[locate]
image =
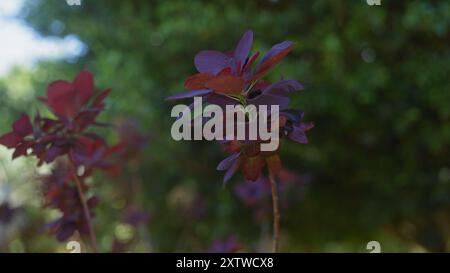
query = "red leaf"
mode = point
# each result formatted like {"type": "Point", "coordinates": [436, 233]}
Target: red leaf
{"type": "Point", "coordinates": [239, 68]}
{"type": "Point", "coordinates": [21, 149]}
{"type": "Point", "coordinates": [225, 71]}
{"type": "Point", "coordinates": [99, 100]}
{"type": "Point", "coordinates": [252, 167]}
{"type": "Point", "coordinates": [23, 126]}
{"type": "Point", "coordinates": [226, 84]}
{"type": "Point", "coordinates": [197, 81]}
{"type": "Point", "coordinates": [84, 119]}
{"type": "Point", "coordinates": [10, 140]}
{"type": "Point", "coordinates": [48, 124]}
{"type": "Point", "coordinates": [61, 98]}
{"type": "Point", "coordinates": [251, 61]}
{"type": "Point", "coordinates": [84, 84]}
{"type": "Point", "coordinates": [276, 54]}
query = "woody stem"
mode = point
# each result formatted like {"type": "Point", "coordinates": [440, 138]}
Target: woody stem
{"type": "Point", "coordinates": [276, 214]}
{"type": "Point", "coordinates": [86, 212]}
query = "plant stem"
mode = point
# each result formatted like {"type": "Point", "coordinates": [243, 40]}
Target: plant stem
{"type": "Point", "coordinates": [86, 213]}
{"type": "Point", "coordinates": [276, 214]}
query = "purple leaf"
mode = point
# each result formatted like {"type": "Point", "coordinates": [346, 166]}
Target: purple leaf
{"type": "Point", "coordinates": [10, 140]}
{"type": "Point", "coordinates": [276, 49]}
{"type": "Point", "coordinates": [284, 86]}
{"type": "Point", "coordinates": [227, 162]}
{"type": "Point", "coordinates": [298, 135]}
{"type": "Point", "coordinates": [243, 48]}
{"type": "Point", "coordinates": [275, 54]}
{"type": "Point", "coordinates": [22, 126]}
{"type": "Point", "coordinates": [269, 99]}
{"type": "Point", "coordinates": [84, 84]}
{"type": "Point", "coordinates": [231, 171]}
{"type": "Point", "coordinates": [211, 61]}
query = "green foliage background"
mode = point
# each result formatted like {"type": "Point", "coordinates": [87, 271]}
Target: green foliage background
{"type": "Point", "coordinates": [377, 90]}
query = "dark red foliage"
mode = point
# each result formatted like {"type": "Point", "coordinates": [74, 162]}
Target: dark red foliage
{"type": "Point", "coordinates": [231, 78]}
{"type": "Point", "coordinates": [65, 99]}
{"type": "Point", "coordinates": [226, 84]}
{"type": "Point", "coordinates": [20, 137]}
{"type": "Point", "coordinates": [247, 156]}
{"type": "Point", "coordinates": [233, 73]}
{"type": "Point", "coordinates": [91, 152]}
{"type": "Point", "coordinates": [61, 193]}
{"type": "Point", "coordinates": [75, 106]}
{"type": "Point", "coordinates": [197, 81]}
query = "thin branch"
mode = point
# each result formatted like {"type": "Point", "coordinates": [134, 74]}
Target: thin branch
{"type": "Point", "coordinates": [86, 212]}
{"type": "Point", "coordinates": [276, 214]}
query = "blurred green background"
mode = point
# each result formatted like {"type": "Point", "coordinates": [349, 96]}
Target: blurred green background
{"type": "Point", "coordinates": [378, 163]}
